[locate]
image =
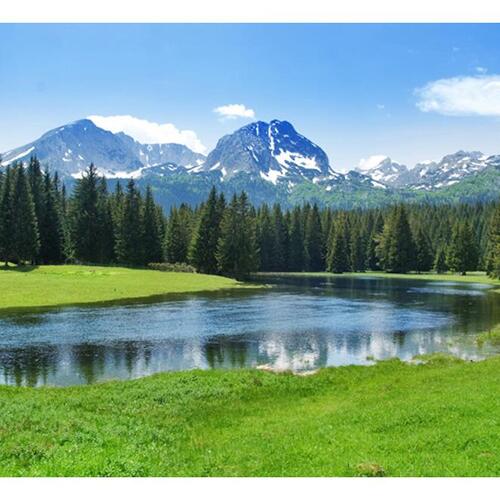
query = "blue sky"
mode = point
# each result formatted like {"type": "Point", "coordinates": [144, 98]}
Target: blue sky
{"type": "Point", "coordinates": [413, 92]}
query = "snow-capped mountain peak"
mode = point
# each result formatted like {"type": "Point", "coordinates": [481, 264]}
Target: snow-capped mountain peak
{"type": "Point", "coordinates": [69, 149]}
{"type": "Point", "coordinates": [450, 170]}
{"type": "Point", "coordinates": [426, 175]}
{"type": "Point", "coordinates": [382, 169]}
{"type": "Point", "coordinates": [273, 151]}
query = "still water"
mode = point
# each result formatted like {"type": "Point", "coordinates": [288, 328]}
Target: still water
{"type": "Point", "coordinates": [299, 324]}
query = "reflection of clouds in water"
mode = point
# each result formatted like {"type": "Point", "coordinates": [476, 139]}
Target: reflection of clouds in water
{"type": "Point", "coordinates": [276, 353]}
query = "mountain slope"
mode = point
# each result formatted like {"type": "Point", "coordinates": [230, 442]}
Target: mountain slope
{"type": "Point", "coordinates": [273, 151]}
{"type": "Point", "coordinates": [429, 175]}
{"type": "Point", "coordinates": [382, 169]}
{"type": "Point", "coordinates": [271, 161]}
{"type": "Point", "coordinates": [71, 148]}
{"type": "Point", "coordinates": [450, 170]}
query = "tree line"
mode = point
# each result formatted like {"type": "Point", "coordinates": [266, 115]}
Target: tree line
{"type": "Point", "coordinates": [41, 224]}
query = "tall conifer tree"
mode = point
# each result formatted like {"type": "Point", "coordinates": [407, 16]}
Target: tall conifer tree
{"type": "Point", "coordinates": [314, 241]}
{"type": "Point", "coordinates": [25, 242]}
{"type": "Point", "coordinates": [152, 238]}
{"type": "Point", "coordinates": [237, 249]}
{"type": "Point", "coordinates": [296, 241]}
{"type": "Point", "coordinates": [129, 243]}
{"type": "Point", "coordinates": [396, 245]}
{"type": "Point", "coordinates": [6, 215]}
{"type": "Point", "coordinates": [462, 250]}
{"type": "Point", "coordinates": [84, 217]}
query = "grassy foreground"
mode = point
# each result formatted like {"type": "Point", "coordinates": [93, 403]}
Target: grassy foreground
{"type": "Point", "coordinates": [395, 419]}
{"type": "Point", "coordinates": [64, 285]}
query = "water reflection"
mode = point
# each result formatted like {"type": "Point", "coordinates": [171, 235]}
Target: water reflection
{"type": "Point", "coordinates": [301, 324]}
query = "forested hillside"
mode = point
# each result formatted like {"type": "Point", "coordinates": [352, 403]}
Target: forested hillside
{"type": "Point", "coordinates": [41, 224]}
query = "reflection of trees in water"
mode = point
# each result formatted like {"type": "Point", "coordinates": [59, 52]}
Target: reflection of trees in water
{"type": "Point", "coordinates": [228, 352]}
{"type": "Point", "coordinates": [386, 318]}
{"type": "Point", "coordinates": [94, 360]}
{"type": "Point", "coordinates": [90, 360]}
{"type": "Point", "coordinates": [28, 365]}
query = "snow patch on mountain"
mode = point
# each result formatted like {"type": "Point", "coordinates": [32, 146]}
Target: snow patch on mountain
{"type": "Point", "coordinates": [382, 170]}
{"type": "Point", "coordinates": [274, 152]}
{"type": "Point", "coordinates": [426, 175]}
{"type": "Point", "coordinates": [71, 148]}
{"type": "Point", "coordinates": [19, 156]}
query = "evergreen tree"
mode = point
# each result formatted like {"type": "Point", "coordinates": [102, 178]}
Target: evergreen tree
{"type": "Point", "coordinates": [176, 242]}
{"type": "Point", "coordinates": [84, 217]}
{"type": "Point", "coordinates": [129, 244]}
{"type": "Point", "coordinates": [296, 242]}
{"type": "Point", "coordinates": [493, 245]}
{"type": "Point", "coordinates": [440, 260]}
{"type": "Point", "coordinates": [36, 183]}
{"type": "Point", "coordinates": [204, 247]}
{"type": "Point", "coordinates": [338, 256]}
{"type": "Point", "coordinates": [50, 224]}
{"type": "Point", "coordinates": [462, 251]}
{"type": "Point", "coordinates": [396, 244]}
{"type": "Point", "coordinates": [422, 255]}
{"type": "Point", "coordinates": [105, 241]}
{"type": "Point", "coordinates": [357, 249]}
{"type": "Point", "coordinates": [6, 229]}
{"type": "Point", "coordinates": [377, 226]}
{"type": "Point", "coordinates": [266, 239]}
{"type": "Point", "coordinates": [25, 242]}
{"type": "Point", "coordinates": [237, 249]}
{"type": "Point", "coordinates": [280, 240]}
{"type": "Point", "coordinates": [153, 251]}
{"type": "Point", "coordinates": [314, 241]}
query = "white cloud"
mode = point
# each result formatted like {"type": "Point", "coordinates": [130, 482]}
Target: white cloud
{"type": "Point", "coordinates": [380, 106]}
{"type": "Point", "coordinates": [232, 111]}
{"type": "Point", "coordinates": [462, 95]}
{"type": "Point", "coordinates": [148, 132]}
{"type": "Point", "coordinates": [481, 69]}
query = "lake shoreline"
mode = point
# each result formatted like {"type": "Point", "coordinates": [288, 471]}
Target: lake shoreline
{"type": "Point", "coordinates": [475, 277]}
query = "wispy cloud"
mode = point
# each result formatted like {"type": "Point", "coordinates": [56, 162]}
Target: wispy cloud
{"type": "Point", "coordinates": [481, 69]}
{"type": "Point", "coordinates": [462, 95]}
{"type": "Point", "coordinates": [232, 111]}
{"type": "Point", "coordinates": [148, 132]}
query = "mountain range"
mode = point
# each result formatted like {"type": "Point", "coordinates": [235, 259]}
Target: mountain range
{"type": "Point", "coordinates": [271, 161]}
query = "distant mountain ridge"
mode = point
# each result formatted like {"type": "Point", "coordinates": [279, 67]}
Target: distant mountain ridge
{"type": "Point", "coordinates": [71, 148]}
{"type": "Point", "coordinates": [429, 175]}
{"type": "Point", "coordinates": [272, 161]}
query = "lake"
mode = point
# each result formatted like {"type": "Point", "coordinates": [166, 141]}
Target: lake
{"type": "Point", "coordinates": [298, 324]}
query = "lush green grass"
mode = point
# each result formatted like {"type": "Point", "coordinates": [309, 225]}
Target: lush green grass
{"type": "Point", "coordinates": [64, 285]}
{"type": "Point", "coordinates": [471, 277]}
{"type": "Point", "coordinates": [438, 418]}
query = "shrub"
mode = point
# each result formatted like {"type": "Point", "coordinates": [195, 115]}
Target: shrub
{"type": "Point", "coordinates": [177, 267]}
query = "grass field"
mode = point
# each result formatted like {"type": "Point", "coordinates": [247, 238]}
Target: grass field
{"type": "Point", "coordinates": [471, 277]}
{"type": "Point", "coordinates": [67, 285]}
{"type": "Point", "coordinates": [392, 419]}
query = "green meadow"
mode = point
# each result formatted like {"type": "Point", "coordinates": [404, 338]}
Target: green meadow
{"type": "Point", "coordinates": [436, 418]}
{"type": "Point", "coordinates": [45, 286]}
